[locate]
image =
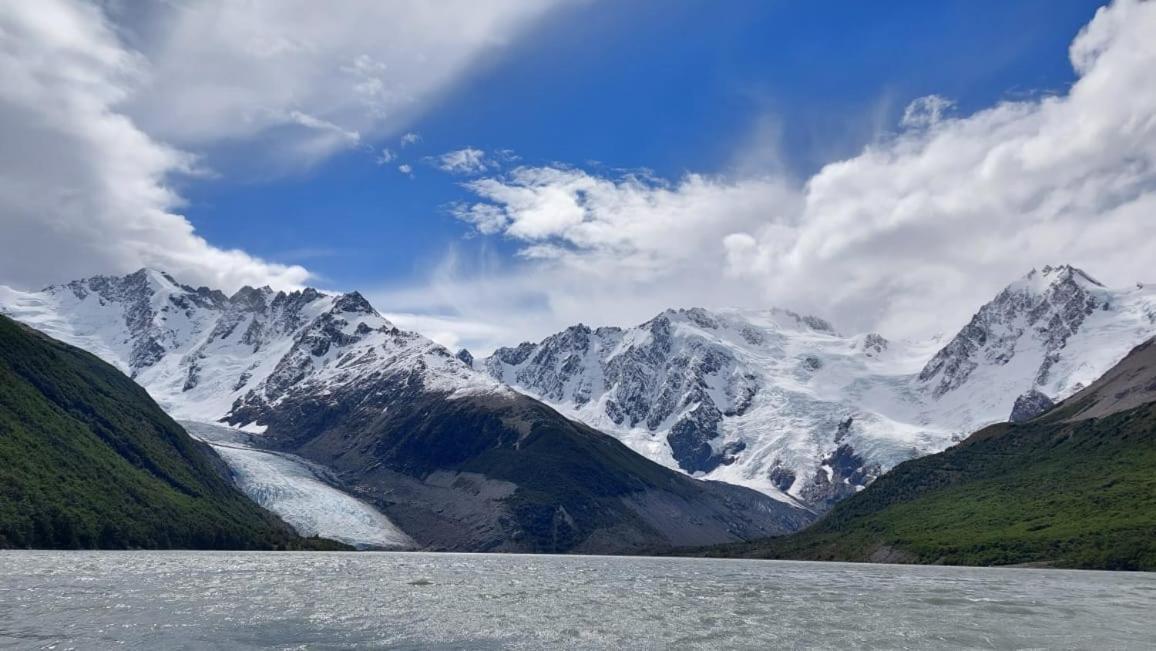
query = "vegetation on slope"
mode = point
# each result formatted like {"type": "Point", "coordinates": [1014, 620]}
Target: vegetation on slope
{"type": "Point", "coordinates": [1069, 494]}
{"type": "Point", "coordinates": [88, 460]}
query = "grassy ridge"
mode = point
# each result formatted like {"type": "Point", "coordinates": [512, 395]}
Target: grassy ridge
{"type": "Point", "coordinates": [1080, 495]}
{"type": "Point", "coordinates": [88, 460]}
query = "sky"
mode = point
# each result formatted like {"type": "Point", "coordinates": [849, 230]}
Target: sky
{"type": "Point", "coordinates": [491, 172]}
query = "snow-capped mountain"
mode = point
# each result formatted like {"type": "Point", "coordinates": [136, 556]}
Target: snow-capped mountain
{"type": "Point", "coordinates": [783, 403]}
{"type": "Point", "coordinates": [205, 356]}
{"type": "Point", "coordinates": [453, 458]}
{"type": "Point", "coordinates": [1050, 333]}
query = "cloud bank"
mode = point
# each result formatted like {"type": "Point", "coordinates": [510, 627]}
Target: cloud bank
{"type": "Point", "coordinates": [908, 237]}
{"type": "Point", "coordinates": [104, 104]}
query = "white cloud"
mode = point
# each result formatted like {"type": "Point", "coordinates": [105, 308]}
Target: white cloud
{"type": "Point", "coordinates": [101, 103]}
{"type": "Point", "coordinates": [405, 168]}
{"type": "Point", "coordinates": [907, 237]}
{"type": "Point", "coordinates": [926, 111]}
{"type": "Point", "coordinates": [634, 224]}
{"type": "Point", "coordinates": [82, 188]}
{"type": "Point", "coordinates": [409, 138]}
{"type": "Point", "coordinates": [386, 156]}
{"type": "Point", "coordinates": [222, 71]}
{"type": "Point", "coordinates": [945, 215]}
{"type": "Point", "coordinates": [464, 161]}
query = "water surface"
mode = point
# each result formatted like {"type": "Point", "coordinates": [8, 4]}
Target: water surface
{"type": "Point", "coordinates": [149, 600]}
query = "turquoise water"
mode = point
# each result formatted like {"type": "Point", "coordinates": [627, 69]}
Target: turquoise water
{"type": "Point", "coordinates": [151, 600]}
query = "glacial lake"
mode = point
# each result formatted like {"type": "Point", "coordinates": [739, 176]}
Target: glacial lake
{"type": "Point", "coordinates": [194, 600]}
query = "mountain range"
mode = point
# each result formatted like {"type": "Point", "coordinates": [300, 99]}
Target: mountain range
{"type": "Point", "coordinates": [448, 457]}
{"type": "Point", "coordinates": [697, 427]}
{"type": "Point", "coordinates": [1074, 486]}
{"type": "Point", "coordinates": [786, 404]}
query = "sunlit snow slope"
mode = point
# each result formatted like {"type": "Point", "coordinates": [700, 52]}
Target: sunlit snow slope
{"type": "Point", "coordinates": [784, 403]}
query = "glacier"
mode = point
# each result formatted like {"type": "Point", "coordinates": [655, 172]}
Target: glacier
{"type": "Point", "coordinates": [297, 491]}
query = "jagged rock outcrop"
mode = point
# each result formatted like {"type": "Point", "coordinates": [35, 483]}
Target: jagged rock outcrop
{"type": "Point", "coordinates": [1029, 405]}
{"type": "Point", "coordinates": [639, 379]}
{"type": "Point", "coordinates": [466, 357]}
{"type": "Point", "coordinates": [839, 476]}
{"type": "Point", "coordinates": [1047, 307]}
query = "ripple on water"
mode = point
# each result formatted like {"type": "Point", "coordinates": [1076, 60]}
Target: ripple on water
{"type": "Point", "coordinates": [146, 600]}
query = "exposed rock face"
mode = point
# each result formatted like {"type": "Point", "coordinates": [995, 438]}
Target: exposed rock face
{"type": "Point", "coordinates": [642, 378]}
{"type": "Point", "coordinates": [453, 457]}
{"type": "Point", "coordinates": [1029, 405]}
{"type": "Point", "coordinates": [840, 475]}
{"type": "Point", "coordinates": [782, 478]}
{"type": "Point", "coordinates": [466, 357]}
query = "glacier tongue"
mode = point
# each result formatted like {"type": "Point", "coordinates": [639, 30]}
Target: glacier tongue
{"type": "Point", "coordinates": [295, 490]}
{"type": "Point", "coordinates": [783, 403]}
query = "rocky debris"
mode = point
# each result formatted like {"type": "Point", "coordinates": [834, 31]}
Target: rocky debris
{"type": "Point", "coordinates": [1030, 404]}
{"type": "Point", "coordinates": [841, 474]}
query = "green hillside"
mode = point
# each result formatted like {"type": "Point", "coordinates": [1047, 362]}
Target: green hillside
{"type": "Point", "coordinates": [88, 460]}
{"type": "Point", "coordinates": [1054, 491]}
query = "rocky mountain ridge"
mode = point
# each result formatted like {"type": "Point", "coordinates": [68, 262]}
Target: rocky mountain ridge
{"type": "Point", "coordinates": [783, 403]}
{"type": "Point", "coordinates": [453, 457]}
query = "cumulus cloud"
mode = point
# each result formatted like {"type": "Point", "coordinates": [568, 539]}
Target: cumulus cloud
{"type": "Point", "coordinates": [908, 237]}
{"type": "Point", "coordinates": [101, 104]}
{"type": "Point", "coordinates": [604, 226]}
{"type": "Point", "coordinates": [463, 161]}
{"type": "Point", "coordinates": [409, 138]}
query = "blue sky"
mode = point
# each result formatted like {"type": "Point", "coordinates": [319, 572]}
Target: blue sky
{"type": "Point", "coordinates": [671, 87]}
{"type": "Point", "coordinates": [888, 166]}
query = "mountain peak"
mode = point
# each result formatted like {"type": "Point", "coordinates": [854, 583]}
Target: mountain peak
{"type": "Point", "coordinates": [353, 302]}
{"type": "Point", "coordinates": [1038, 281]}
